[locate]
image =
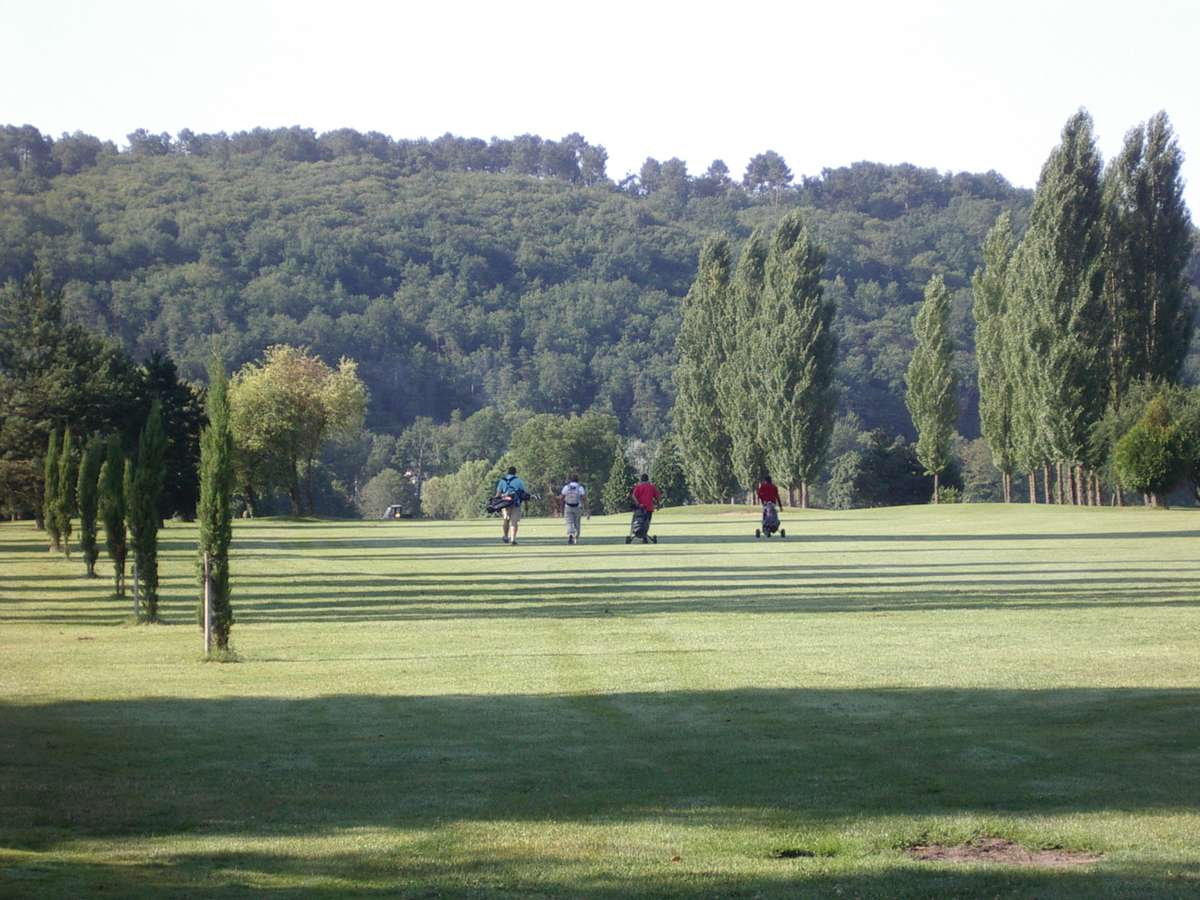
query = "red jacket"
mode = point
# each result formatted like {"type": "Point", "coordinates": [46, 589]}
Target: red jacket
{"type": "Point", "coordinates": [644, 494]}
{"type": "Point", "coordinates": [768, 491]}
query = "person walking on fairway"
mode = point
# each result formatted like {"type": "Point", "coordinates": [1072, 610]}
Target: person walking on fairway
{"type": "Point", "coordinates": [645, 495]}
{"type": "Point", "coordinates": [574, 496]}
{"type": "Point", "coordinates": [768, 496]}
{"type": "Point", "coordinates": [511, 486]}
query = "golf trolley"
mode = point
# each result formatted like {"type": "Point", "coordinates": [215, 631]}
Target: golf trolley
{"type": "Point", "coordinates": [770, 522]}
{"type": "Point", "coordinates": [639, 528]}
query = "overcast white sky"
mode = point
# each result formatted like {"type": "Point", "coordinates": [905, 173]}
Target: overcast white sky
{"type": "Point", "coordinates": [955, 86]}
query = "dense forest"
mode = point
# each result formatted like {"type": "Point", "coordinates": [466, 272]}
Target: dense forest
{"type": "Point", "coordinates": [462, 274]}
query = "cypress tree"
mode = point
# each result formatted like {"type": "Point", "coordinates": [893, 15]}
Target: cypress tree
{"type": "Point", "coordinates": [50, 490]}
{"type": "Point", "coordinates": [615, 495]}
{"type": "Point", "coordinates": [703, 441]}
{"type": "Point", "coordinates": [65, 506]}
{"type": "Point", "coordinates": [112, 509]}
{"type": "Point", "coordinates": [88, 496]}
{"type": "Point", "coordinates": [1146, 246]}
{"type": "Point", "coordinates": [214, 511]}
{"type": "Point", "coordinates": [1061, 280]}
{"type": "Point", "coordinates": [930, 394]}
{"type": "Point", "coordinates": [989, 287]}
{"type": "Point", "coordinates": [143, 484]}
{"type": "Point", "coordinates": [795, 351]}
{"type": "Point", "coordinates": [739, 379]}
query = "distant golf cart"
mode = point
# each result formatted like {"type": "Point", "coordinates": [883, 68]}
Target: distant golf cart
{"type": "Point", "coordinates": [395, 511]}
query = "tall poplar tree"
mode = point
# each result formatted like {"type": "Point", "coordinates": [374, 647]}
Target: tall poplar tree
{"type": "Point", "coordinates": [88, 496]}
{"type": "Point", "coordinates": [214, 509]}
{"type": "Point", "coordinates": [143, 483]}
{"type": "Point", "coordinates": [1147, 239]}
{"type": "Point", "coordinates": [50, 489]}
{"type": "Point", "coordinates": [739, 379]}
{"type": "Point", "coordinates": [703, 441]}
{"type": "Point", "coordinates": [795, 350]}
{"type": "Point", "coordinates": [112, 509]}
{"type": "Point", "coordinates": [615, 495]}
{"type": "Point", "coordinates": [989, 287]}
{"type": "Point", "coordinates": [1060, 280]}
{"type": "Point", "coordinates": [930, 394]}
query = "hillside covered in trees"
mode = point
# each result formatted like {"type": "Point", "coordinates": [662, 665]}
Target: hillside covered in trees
{"type": "Point", "coordinates": [462, 274]}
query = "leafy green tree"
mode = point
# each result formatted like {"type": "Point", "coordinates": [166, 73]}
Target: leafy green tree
{"type": "Point", "coordinates": [183, 416]}
{"type": "Point", "coordinates": [461, 495]}
{"type": "Point", "coordinates": [215, 511]}
{"type": "Point", "coordinates": [1061, 279]}
{"type": "Point", "coordinates": [667, 473]}
{"type": "Point", "coordinates": [767, 173]}
{"type": "Point", "coordinates": [615, 496]}
{"type": "Point", "coordinates": [703, 441]}
{"type": "Point", "coordinates": [51, 492]}
{"type": "Point", "coordinates": [88, 498]}
{"type": "Point", "coordinates": [387, 488]}
{"type": "Point", "coordinates": [113, 509]}
{"type": "Point", "coordinates": [794, 351]}
{"type": "Point", "coordinates": [143, 483]}
{"type": "Point", "coordinates": [739, 378]}
{"type": "Point", "coordinates": [931, 398]}
{"type": "Point", "coordinates": [548, 449]}
{"type": "Point", "coordinates": [990, 286]}
{"type": "Point", "coordinates": [1147, 242]}
{"type": "Point", "coordinates": [283, 410]}
{"type": "Point", "coordinates": [1151, 457]}
{"type": "Point", "coordinates": [66, 505]}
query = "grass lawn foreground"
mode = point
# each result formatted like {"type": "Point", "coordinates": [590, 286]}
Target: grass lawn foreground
{"type": "Point", "coordinates": [420, 710]}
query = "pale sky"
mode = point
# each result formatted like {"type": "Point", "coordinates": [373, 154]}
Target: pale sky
{"type": "Point", "coordinates": [954, 86]}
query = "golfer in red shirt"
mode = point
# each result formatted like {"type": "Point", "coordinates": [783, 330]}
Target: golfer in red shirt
{"type": "Point", "coordinates": [767, 492]}
{"type": "Point", "coordinates": [645, 495]}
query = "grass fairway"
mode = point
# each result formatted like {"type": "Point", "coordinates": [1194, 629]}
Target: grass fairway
{"type": "Point", "coordinates": [420, 710]}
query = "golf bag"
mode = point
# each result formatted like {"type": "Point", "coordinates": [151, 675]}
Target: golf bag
{"type": "Point", "coordinates": [770, 521]}
{"type": "Point", "coordinates": [639, 527]}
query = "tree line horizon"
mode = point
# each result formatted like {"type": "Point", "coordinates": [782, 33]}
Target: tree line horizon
{"type": "Point", "coordinates": [809, 415]}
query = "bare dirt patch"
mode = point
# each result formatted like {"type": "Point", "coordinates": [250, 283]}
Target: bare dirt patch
{"type": "Point", "coordinates": [1000, 850]}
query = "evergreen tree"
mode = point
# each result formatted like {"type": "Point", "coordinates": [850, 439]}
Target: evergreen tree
{"type": "Point", "coordinates": [990, 286]}
{"type": "Point", "coordinates": [703, 442]}
{"type": "Point", "coordinates": [615, 495]}
{"type": "Point", "coordinates": [1147, 241]}
{"type": "Point", "coordinates": [795, 350]}
{"type": "Point", "coordinates": [667, 473]}
{"type": "Point", "coordinates": [739, 378]}
{"type": "Point", "coordinates": [112, 509]}
{"type": "Point", "coordinates": [88, 497]}
{"type": "Point", "coordinates": [1060, 280]}
{"type": "Point", "coordinates": [930, 381]}
{"type": "Point", "coordinates": [214, 510]}
{"type": "Point", "coordinates": [50, 490]}
{"type": "Point", "coordinates": [142, 487]}
{"type": "Point", "coordinates": [65, 506]}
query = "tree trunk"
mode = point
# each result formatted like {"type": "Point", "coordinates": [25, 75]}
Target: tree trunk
{"type": "Point", "coordinates": [936, 479]}
{"type": "Point", "coordinates": [1046, 483]}
{"type": "Point", "coordinates": [804, 495]}
{"type": "Point", "coordinates": [1032, 482]}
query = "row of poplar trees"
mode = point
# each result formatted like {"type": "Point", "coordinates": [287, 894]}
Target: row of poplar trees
{"type": "Point", "coordinates": [106, 488]}
{"type": "Point", "coordinates": [755, 372]}
{"type": "Point", "coordinates": [1091, 300]}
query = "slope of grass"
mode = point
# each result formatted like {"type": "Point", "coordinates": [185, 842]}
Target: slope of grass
{"type": "Point", "coordinates": [419, 709]}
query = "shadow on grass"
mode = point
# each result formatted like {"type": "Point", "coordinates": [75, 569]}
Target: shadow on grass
{"type": "Point", "coordinates": [230, 765]}
{"type": "Point", "coordinates": [489, 873]}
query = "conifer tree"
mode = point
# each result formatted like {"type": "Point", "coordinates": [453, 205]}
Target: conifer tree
{"type": "Point", "coordinates": [88, 497]}
{"type": "Point", "coordinates": [739, 379]}
{"type": "Point", "coordinates": [930, 394]}
{"type": "Point", "coordinates": [615, 495]}
{"type": "Point", "coordinates": [112, 509]}
{"type": "Point", "coordinates": [143, 484]}
{"type": "Point", "coordinates": [795, 350]}
{"type": "Point", "coordinates": [703, 441]}
{"type": "Point", "coordinates": [1060, 282]}
{"type": "Point", "coordinates": [990, 286]}
{"type": "Point", "coordinates": [667, 474]}
{"type": "Point", "coordinates": [1147, 240]}
{"type": "Point", "coordinates": [50, 490]}
{"type": "Point", "coordinates": [65, 505]}
{"type": "Point", "coordinates": [214, 510]}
